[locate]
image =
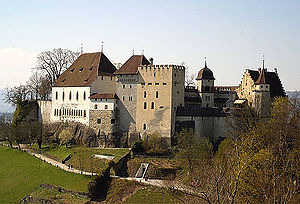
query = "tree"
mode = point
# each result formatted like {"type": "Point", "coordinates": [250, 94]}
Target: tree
{"type": "Point", "coordinates": [189, 77]}
{"type": "Point", "coordinates": [54, 62]}
{"type": "Point", "coordinates": [190, 151]}
{"type": "Point", "coordinates": [5, 124]}
{"type": "Point", "coordinates": [15, 94]}
{"type": "Point", "coordinates": [39, 86]}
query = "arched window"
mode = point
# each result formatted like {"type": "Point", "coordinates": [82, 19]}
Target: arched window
{"type": "Point", "coordinates": [77, 96]}
{"type": "Point", "coordinates": [63, 96]}
{"type": "Point", "coordinates": [56, 95]}
{"type": "Point", "coordinates": [96, 106]}
{"type": "Point", "coordinates": [70, 96]}
{"type": "Point", "coordinates": [156, 94]}
{"type": "Point", "coordinates": [84, 113]}
{"type": "Point", "coordinates": [152, 105]}
{"type": "Point", "coordinates": [144, 126]}
{"type": "Point", "coordinates": [145, 94]}
{"type": "Point", "coordinates": [59, 112]}
{"type": "Point", "coordinates": [145, 105]}
{"type": "Point", "coordinates": [84, 95]}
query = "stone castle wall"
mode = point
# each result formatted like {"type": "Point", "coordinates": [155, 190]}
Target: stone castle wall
{"type": "Point", "coordinates": [159, 91]}
{"type": "Point", "coordinates": [101, 121]}
{"type": "Point", "coordinates": [44, 111]}
{"type": "Point", "coordinates": [213, 128]}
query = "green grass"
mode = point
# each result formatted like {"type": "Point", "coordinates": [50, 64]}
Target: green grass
{"type": "Point", "coordinates": [56, 196]}
{"type": "Point", "coordinates": [21, 173]}
{"type": "Point", "coordinates": [82, 156]}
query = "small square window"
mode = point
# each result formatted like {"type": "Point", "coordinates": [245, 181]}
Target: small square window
{"type": "Point", "coordinates": [98, 121]}
{"type": "Point", "coordinates": [106, 106]}
{"type": "Point", "coordinates": [113, 121]}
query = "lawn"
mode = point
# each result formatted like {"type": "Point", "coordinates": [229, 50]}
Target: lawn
{"type": "Point", "coordinates": [21, 173]}
{"type": "Point", "coordinates": [82, 156]}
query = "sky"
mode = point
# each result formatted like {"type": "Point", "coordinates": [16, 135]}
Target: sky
{"type": "Point", "coordinates": [233, 35]}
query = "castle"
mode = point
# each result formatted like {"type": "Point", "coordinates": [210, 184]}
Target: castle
{"type": "Point", "coordinates": [140, 98]}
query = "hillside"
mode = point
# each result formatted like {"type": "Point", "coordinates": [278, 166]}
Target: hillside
{"type": "Point", "coordinates": [21, 173]}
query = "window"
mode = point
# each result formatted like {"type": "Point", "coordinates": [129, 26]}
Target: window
{"type": "Point", "coordinates": [63, 95]}
{"type": "Point", "coordinates": [175, 74]}
{"type": "Point", "coordinates": [84, 95]}
{"type": "Point", "coordinates": [149, 83]}
{"type": "Point", "coordinates": [84, 113]}
{"type": "Point", "coordinates": [77, 96]}
{"type": "Point", "coordinates": [59, 112]}
{"type": "Point", "coordinates": [56, 95]}
{"type": "Point", "coordinates": [144, 126]}
{"type": "Point", "coordinates": [76, 112]}
{"type": "Point", "coordinates": [106, 106]}
{"type": "Point", "coordinates": [70, 96]}
{"type": "Point", "coordinates": [130, 86]}
{"type": "Point", "coordinates": [152, 105]}
{"type": "Point", "coordinates": [145, 105]}
{"type": "Point", "coordinates": [156, 94]}
{"type": "Point", "coordinates": [261, 86]}
{"type": "Point", "coordinates": [145, 94]}
{"type": "Point", "coordinates": [164, 84]}
{"type": "Point", "coordinates": [54, 112]}
{"type": "Point", "coordinates": [123, 86]}
{"type": "Point", "coordinates": [111, 78]}
{"type": "Point", "coordinates": [156, 84]}
{"type": "Point", "coordinates": [266, 86]}
{"type": "Point", "coordinates": [206, 89]}
{"type": "Point", "coordinates": [98, 120]}
{"type": "Point", "coordinates": [130, 98]}
{"type": "Point", "coordinates": [113, 121]}
{"type": "Point", "coordinates": [96, 107]}
{"type": "Point", "coordinates": [154, 74]}
{"type": "Point", "coordinates": [101, 77]}
{"type": "Point", "coordinates": [123, 98]}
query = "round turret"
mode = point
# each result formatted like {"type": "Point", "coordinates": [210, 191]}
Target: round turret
{"type": "Point", "coordinates": [205, 73]}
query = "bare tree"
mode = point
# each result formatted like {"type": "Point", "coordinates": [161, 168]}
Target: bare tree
{"type": "Point", "coordinates": [5, 123]}
{"type": "Point", "coordinates": [189, 77]}
{"type": "Point", "coordinates": [12, 95]}
{"type": "Point", "coordinates": [54, 62]}
{"type": "Point", "coordinates": [39, 85]}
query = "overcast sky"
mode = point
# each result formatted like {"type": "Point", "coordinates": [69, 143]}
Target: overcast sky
{"type": "Point", "coordinates": [233, 35]}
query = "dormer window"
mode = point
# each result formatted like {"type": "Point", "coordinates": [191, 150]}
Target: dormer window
{"type": "Point", "coordinates": [63, 80]}
{"type": "Point", "coordinates": [86, 79]}
{"type": "Point", "coordinates": [91, 68]}
{"type": "Point", "coordinates": [81, 69]}
{"type": "Point", "coordinates": [72, 70]}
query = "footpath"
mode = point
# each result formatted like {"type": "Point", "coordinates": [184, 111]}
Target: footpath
{"type": "Point", "coordinates": [153, 182]}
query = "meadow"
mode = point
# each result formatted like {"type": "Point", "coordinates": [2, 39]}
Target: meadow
{"type": "Point", "coordinates": [21, 173]}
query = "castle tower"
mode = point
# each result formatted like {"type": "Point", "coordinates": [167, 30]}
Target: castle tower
{"type": "Point", "coordinates": [205, 86]}
{"type": "Point", "coordinates": [262, 100]}
{"type": "Point", "coordinates": [160, 92]}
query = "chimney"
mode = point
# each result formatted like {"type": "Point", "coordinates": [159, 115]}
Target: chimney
{"type": "Point", "coordinates": [151, 61]}
{"type": "Point", "coordinates": [259, 70]}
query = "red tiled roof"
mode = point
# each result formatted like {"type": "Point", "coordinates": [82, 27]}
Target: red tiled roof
{"type": "Point", "coordinates": [104, 96]}
{"type": "Point", "coordinates": [85, 69]}
{"type": "Point", "coordinates": [132, 64]}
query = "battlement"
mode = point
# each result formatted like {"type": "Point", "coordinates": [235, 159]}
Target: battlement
{"type": "Point", "coordinates": [161, 68]}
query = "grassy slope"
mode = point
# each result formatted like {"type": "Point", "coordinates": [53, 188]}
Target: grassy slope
{"type": "Point", "coordinates": [83, 156]}
{"type": "Point", "coordinates": [21, 173]}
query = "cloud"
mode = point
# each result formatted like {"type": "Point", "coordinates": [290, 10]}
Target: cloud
{"type": "Point", "coordinates": [15, 66]}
